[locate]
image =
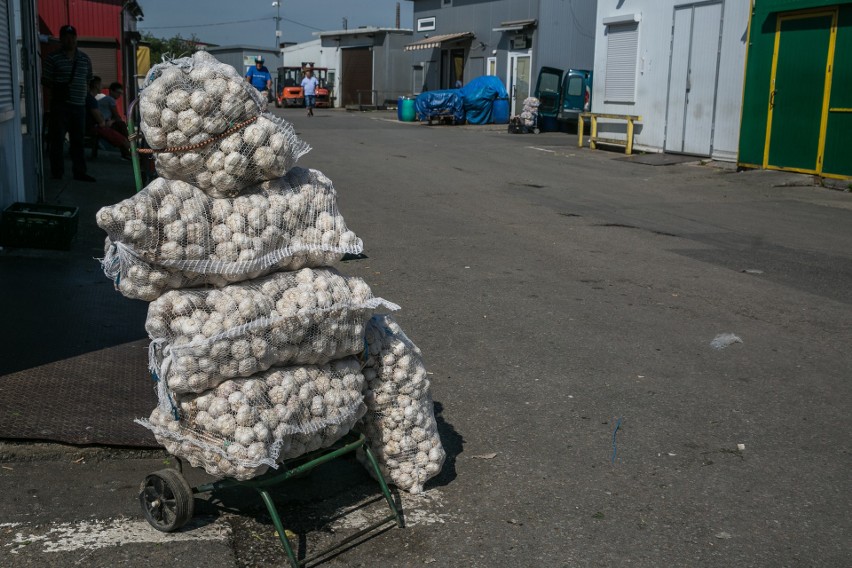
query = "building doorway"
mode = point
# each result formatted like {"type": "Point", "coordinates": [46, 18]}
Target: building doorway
{"type": "Point", "coordinates": [799, 85]}
{"type": "Point", "coordinates": [452, 67]}
{"type": "Point", "coordinates": [693, 72]}
{"type": "Point", "coordinates": [357, 76]}
{"type": "Point", "coordinates": [518, 79]}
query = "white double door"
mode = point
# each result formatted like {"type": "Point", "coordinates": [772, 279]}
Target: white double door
{"type": "Point", "coordinates": [693, 76]}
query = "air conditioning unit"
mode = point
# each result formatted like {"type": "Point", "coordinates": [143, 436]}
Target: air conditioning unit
{"type": "Point", "coordinates": [519, 42]}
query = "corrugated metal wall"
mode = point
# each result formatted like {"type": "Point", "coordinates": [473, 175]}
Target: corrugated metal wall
{"type": "Point", "coordinates": [566, 35]}
{"type": "Point", "coordinates": [479, 17]}
{"type": "Point", "coordinates": [391, 68]}
{"type": "Point", "coordinates": [95, 18]}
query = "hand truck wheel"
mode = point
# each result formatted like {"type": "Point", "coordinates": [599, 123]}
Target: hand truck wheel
{"type": "Point", "coordinates": [166, 499]}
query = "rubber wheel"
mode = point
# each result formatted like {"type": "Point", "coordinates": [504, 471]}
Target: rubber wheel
{"type": "Point", "coordinates": [536, 130]}
{"type": "Point", "coordinates": [166, 500]}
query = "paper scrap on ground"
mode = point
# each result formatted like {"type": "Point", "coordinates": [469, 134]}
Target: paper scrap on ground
{"type": "Point", "coordinates": [723, 340]}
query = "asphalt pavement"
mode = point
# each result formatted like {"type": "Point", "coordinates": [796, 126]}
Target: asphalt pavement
{"type": "Point", "coordinates": [566, 301]}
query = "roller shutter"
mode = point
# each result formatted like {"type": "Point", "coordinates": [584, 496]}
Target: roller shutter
{"type": "Point", "coordinates": [621, 48]}
{"type": "Point", "coordinates": [104, 54]}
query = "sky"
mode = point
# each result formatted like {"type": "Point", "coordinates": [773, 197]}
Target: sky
{"type": "Point", "coordinates": [252, 22]}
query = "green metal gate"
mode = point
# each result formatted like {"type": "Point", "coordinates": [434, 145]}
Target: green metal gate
{"type": "Point", "coordinates": [797, 99]}
{"type": "Point", "coordinates": [800, 83]}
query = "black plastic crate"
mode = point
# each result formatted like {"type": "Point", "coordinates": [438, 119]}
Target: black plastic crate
{"type": "Point", "coordinates": [33, 225]}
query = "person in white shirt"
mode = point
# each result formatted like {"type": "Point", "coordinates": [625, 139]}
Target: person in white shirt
{"type": "Point", "coordinates": [309, 86]}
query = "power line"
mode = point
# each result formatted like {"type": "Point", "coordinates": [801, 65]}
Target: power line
{"type": "Point", "coordinates": [303, 25]}
{"type": "Point", "coordinates": [204, 25]}
{"type": "Point", "coordinates": [227, 24]}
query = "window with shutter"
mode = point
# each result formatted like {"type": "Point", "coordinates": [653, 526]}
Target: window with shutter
{"type": "Point", "coordinates": [621, 48]}
{"type": "Point", "coordinates": [6, 88]}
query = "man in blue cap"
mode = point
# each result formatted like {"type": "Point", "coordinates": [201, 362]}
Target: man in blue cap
{"type": "Point", "coordinates": [65, 75]}
{"type": "Point", "coordinates": [260, 78]}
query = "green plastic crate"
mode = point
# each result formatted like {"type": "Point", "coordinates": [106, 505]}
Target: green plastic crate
{"type": "Point", "coordinates": [33, 225]}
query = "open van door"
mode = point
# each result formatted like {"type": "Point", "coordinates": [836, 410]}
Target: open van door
{"type": "Point", "coordinates": [576, 94]}
{"type": "Point", "coordinates": [547, 90]}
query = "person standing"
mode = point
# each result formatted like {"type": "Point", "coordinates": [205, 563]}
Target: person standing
{"type": "Point", "coordinates": [309, 87]}
{"type": "Point", "coordinates": [66, 74]}
{"type": "Point", "coordinates": [260, 77]}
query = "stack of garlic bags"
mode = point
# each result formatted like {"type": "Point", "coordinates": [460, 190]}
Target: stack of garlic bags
{"type": "Point", "coordinates": [253, 336]}
{"type": "Point", "coordinates": [530, 112]}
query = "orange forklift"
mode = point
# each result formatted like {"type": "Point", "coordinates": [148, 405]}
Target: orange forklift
{"type": "Point", "coordinates": [290, 92]}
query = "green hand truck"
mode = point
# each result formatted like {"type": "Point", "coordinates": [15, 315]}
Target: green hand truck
{"type": "Point", "coordinates": [167, 499]}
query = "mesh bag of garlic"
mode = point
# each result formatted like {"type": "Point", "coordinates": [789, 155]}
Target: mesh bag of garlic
{"type": "Point", "coordinates": [201, 337]}
{"type": "Point", "coordinates": [138, 280]}
{"type": "Point", "coordinates": [243, 426]}
{"type": "Point", "coordinates": [206, 125]}
{"type": "Point", "coordinates": [173, 235]}
{"type": "Point", "coordinates": [400, 420]}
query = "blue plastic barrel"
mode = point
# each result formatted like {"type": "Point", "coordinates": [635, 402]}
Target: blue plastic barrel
{"type": "Point", "coordinates": [405, 109]}
{"type": "Point", "coordinates": [500, 111]}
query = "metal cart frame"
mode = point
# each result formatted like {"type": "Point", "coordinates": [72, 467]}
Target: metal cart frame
{"type": "Point", "coordinates": [167, 499]}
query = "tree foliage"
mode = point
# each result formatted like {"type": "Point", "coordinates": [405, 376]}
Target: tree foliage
{"type": "Point", "coordinates": [176, 46]}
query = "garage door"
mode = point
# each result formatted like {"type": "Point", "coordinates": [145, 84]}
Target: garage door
{"type": "Point", "coordinates": [357, 75]}
{"type": "Point", "coordinates": [105, 56]}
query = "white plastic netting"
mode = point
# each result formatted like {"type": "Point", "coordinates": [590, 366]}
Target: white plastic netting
{"type": "Point", "coordinates": [173, 235]}
{"type": "Point", "coordinates": [243, 426]}
{"type": "Point", "coordinates": [213, 125]}
{"type": "Point", "coordinates": [400, 420]}
{"type": "Point", "coordinates": [204, 336]}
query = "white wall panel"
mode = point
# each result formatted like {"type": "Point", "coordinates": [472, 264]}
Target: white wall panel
{"type": "Point", "coordinates": [652, 72]}
{"type": "Point", "coordinates": [729, 97]}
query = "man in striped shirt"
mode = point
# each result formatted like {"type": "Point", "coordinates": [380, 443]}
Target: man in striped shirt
{"type": "Point", "coordinates": [66, 74]}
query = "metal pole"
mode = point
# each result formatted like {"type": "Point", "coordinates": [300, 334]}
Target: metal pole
{"type": "Point", "coordinates": [278, 25]}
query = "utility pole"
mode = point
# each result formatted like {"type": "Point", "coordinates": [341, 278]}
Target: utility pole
{"type": "Point", "coordinates": [345, 24]}
{"type": "Point", "coordinates": [277, 25]}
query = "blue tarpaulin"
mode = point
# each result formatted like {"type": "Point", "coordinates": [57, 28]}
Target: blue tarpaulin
{"type": "Point", "coordinates": [433, 104]}
{"type": "Point", "coordinates": [478, 97]}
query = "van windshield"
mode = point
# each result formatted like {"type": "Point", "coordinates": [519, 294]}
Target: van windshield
{"type": "Point", "coordinates": [575, 86]}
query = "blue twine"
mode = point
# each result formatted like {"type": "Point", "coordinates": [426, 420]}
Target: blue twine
{"type": "Point", "coordinates": [175, 412]}
{"type": "Point", "coordinates": [366, 349]}
{"type": "Point", "coordinates": [614, 432]}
